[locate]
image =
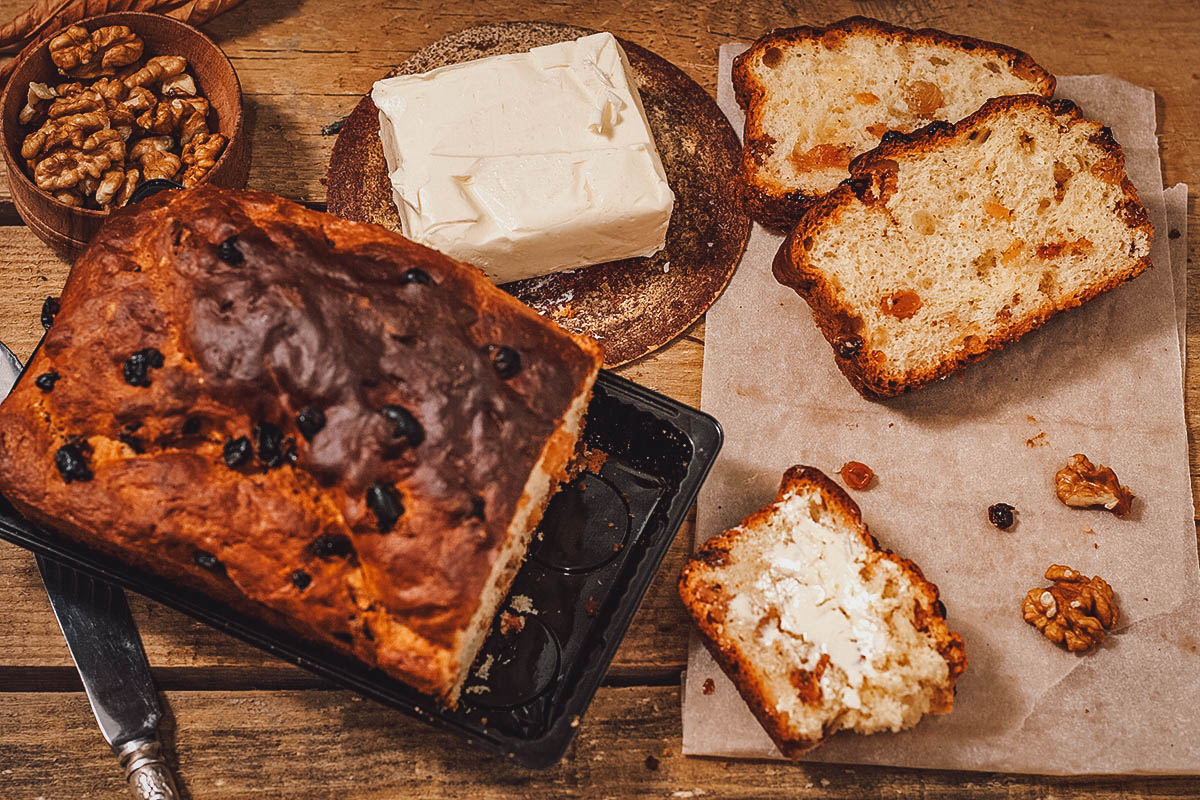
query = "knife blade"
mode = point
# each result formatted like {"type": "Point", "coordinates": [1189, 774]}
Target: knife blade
{"type": "Point", "coordinates": [107, 650]}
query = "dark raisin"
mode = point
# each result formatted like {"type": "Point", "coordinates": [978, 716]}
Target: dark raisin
{"type": "Point", "coordinates": [138, 366]}
{"type": "Point", "coordinates": [49, 312]}
{"type": "Point", "coordinates": [893, 136]}
{"type": "Point", "coordinates": [329, 545]}
{"type": "Point", "coordinates": [849, 346]}
{"type": "Point", "coordinates": [860, 186]}
{"type": "Point", "coordinates": [268, 442]}
{"type": "Point", "coordinates": [343, 637]}
{"type": "Point", "coordinates": [301, 579]}
{"type": "Point", "coordinates": [71, 463]}
{"type": "Point", "coordinates": [290, 454]}
{"type": "Point", "coordinates": [939, 126]}
{"type": "Point", "coordinates": [477, 507]}
{"type": "Point", "coordinates": [415, 275]}
{"type": "Point", "coordinates": [237, 451]}
{"type": "Point", "coordinates": [1001, 515]}
{"type": "Point", "coordinates": [132, 442]}
{"type": "Point", "coordinates": [207, 561]}
{"type": "Point", "coordinates": [46, 380]}
{"type": "Point", "coordinates": [404, 424]}
{"type": "Point", "coordinates": [385, 502]}
{"type": "Point", "coordinates": [228, 251]}
{"type": "Point", "coordinates": [310, 421]}
{"type": "Point", "coordinates": [192, 426]}
{"type": "Point", "coordinates": [505, 360]}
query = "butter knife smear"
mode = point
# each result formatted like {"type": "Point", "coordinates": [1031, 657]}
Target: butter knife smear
{"type": "Point", "coordinates": [527, 164]}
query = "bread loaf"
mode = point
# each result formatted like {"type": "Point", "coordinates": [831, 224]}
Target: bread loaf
{"type": "Point", "coordinates": [819, 628]}
{"type": "Point", "coordinates": [815, 98]}
{"type": "Point", "coordinates": [949, 243]}
{"type": "Point", "coordinates": [316, 422]}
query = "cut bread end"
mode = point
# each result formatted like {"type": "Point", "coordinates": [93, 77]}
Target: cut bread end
{"type": "Point", "coordinates": [819, 628]}
{"type": "Point", "coordinates": [947, 244]}
{"type": "Point", "coordinates": [817, 97]}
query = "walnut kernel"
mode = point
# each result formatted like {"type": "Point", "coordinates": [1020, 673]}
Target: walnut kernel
{"type": "Point", "coordinates": [1081, 484]}
{"type": "Point", "coordinates": [1075, 613]}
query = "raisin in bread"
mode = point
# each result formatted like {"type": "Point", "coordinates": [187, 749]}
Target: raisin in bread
{"type": "Point", "coordinates": [314, 421]}
{"type": "Point", "coordinates": [817, 97]}
{"type": "Point", "coordinates": [819, 628]}
{"type": "Point", "coordinates": [951, 242]}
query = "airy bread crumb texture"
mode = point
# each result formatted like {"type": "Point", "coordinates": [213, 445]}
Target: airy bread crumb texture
{"type": "Point", "coordinates": [961, 239]}
{"type": "Point", "coordinates": [816, 98]}
{"type": "Point", "coordinates": [820, 629]}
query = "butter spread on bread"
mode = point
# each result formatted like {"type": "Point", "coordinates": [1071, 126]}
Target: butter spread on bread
{"type": "Point", "coordinates": [819, 628]}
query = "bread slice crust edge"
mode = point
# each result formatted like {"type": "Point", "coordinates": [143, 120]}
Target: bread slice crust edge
{"type": "Point", "coordinates": [696, 596]}
{"type": "Point", "coordinates": [773, 204]}
{"type": "Point", "coordinates": [832, 314]}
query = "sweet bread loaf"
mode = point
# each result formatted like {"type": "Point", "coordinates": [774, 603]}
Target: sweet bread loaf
{"type": "Point", "coordinates": [819, 628]}
{"type": "Point", "coordinates": [315, 421]}
{"type": "Point", "coordinates": [947, 244]}
{"type": "Point", "coordinates": [817, 97]}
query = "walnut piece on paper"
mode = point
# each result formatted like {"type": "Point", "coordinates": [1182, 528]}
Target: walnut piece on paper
{"type": "Point", "coordinates": [1075, 613]}
{"type": "Point", "coordinates": [1081, 484]}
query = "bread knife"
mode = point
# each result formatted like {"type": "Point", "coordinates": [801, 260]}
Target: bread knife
{"type": "Point", "coordinates": [108, 653]}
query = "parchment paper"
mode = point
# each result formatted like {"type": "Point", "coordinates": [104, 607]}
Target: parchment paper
{"type": "Point", "coordinates": [1105, 380]}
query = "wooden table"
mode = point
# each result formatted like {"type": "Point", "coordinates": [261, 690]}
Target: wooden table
{"type": "Point", "coordinates": [241, 724]}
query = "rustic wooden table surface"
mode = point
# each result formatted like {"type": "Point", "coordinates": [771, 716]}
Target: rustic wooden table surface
{"type": "Point", "coordinates": [240, 724]}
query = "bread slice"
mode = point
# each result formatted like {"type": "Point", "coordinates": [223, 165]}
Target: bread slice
{"type": "Point", "coordinates": [821, 629]}
{"type": "Point", "coordinates": [951, 242]}
{"type": "Point", "coordinates": [817, 97]}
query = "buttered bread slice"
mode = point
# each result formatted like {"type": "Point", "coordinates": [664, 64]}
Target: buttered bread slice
{"type": "Point", "coordinates": [820, 629]}
{"type": "Point", "coordinates": [817, 97]}
{"type": "Point", "coordinates": [951, 242]}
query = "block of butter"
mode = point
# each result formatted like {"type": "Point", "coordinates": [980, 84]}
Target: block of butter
{"type": "Point", "coordinates": [526, 164]}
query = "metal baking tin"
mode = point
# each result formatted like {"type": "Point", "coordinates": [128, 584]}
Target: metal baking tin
{"type": "Point", "coordinates": [594, 556]}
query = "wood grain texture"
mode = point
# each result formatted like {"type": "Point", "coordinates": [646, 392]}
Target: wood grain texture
{"type": "Point", "coordinates": [304, 64]}
{"type": "Point", "coordinates": [322, 744]}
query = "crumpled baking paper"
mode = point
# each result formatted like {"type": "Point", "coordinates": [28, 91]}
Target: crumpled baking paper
{"type": "Point", "coordinates": [1104, 380]}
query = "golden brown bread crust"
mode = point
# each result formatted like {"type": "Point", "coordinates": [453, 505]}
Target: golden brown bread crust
{"type": "Point", "coordinates": [300, 310]}
{"type": "Point", "coordinates": [778, 206]}
{"type": "Point", "coordinates": [835, 317]}
{"type": "Point", "coordinates": [707, 606]}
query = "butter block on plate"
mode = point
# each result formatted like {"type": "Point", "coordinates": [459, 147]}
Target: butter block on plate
{"type": "Point", "coordinates": [526, 164]}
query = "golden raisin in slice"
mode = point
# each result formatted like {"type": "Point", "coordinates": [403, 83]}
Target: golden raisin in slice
{"type": "Point", "coordinates": [996, 211]}
{"type": "Point", "coordinates": [878, 129]}
{"type": "Point", "coordinates": [866, 98]}
{"type": "Point", "coordinates": [821, 156]}
{"type": "Point", "coordinates": [772, 57]}
{"type": "Point", "coordinates": [857, 475]}
{"type": "Point", "coordinates": [902, 304]}
{"type": "Point", "coordinates": [923, 98]}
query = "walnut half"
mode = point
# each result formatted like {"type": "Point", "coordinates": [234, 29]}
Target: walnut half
{"type": "Point", "coordinates": [1081, 484]}
{"type": "Point", "coordinates": [1075, 613]}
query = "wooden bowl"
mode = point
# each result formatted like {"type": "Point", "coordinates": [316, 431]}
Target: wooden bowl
{"type": "Point", "coordinates": [68, 229]}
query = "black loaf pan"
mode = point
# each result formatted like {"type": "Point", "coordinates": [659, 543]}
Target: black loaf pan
{"type": "Point", "coordinates": [597, 550]}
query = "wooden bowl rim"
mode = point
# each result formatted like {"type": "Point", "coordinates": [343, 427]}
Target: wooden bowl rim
{"type": "Point", "coordinates": [115, 18]}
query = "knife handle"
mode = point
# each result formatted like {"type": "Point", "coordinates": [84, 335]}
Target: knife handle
{"type": "Point", "coordinates": [147, 773]}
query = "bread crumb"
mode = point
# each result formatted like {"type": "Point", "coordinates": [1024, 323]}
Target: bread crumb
{"type": "Point", "coordinates": [485, 668]}
{"type": "Point", "coordinates": [511, 623]}
{"type": "Point", "coordinates": [709, 686]}
{"type": "Point", "coordinates": [522, 604]}
{"type": "Point", "coordinates": [1037, 441]}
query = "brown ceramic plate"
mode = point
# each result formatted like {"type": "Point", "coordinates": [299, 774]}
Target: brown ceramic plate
{"type": "Point", "coordinates": [631, 307]}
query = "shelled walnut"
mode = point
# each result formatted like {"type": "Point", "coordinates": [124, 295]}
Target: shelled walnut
{"type": "Point", "coordinates": [121, 117]}
{"type": "Point", "coordinates": [1081, 484]}
{"type": "Point", "coordinates": [1075, 613]}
